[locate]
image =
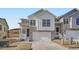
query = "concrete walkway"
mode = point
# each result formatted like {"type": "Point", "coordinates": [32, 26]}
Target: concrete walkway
{"type": "Point", "coordinates": [40, 45]}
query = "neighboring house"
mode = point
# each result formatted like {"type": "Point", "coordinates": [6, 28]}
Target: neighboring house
{"type": "Point", "coordinates": [3, 28]}
{"type": "Point", "coordinates": [70, 24]}
{"type": "Point", "coordinates": [13, 34]}
{"type": "Point", "coordinates": [40, 26]}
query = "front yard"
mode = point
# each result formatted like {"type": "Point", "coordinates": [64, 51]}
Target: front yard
{"type": "Point", "coordinates": [18, 46]}
{"type": "Point", "coordinates": [39, 45]}
{"type": "Point", "coordinates": [66, 43]}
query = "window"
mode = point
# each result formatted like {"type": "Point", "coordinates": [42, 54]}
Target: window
{"type": "Point", "coordinates": [65, 21]}
{"type": "Point", "coordinates": [0, 27]}
{"type": "Point", "coordinates": [23, 31]}
{"type": "Point", "coordinates": [32, 22]}
{"type": "Point", "coordinates": [77, 21]}
{"type": "Point", "coordinates": [46, 23]}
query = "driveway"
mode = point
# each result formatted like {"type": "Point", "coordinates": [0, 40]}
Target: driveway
{"type": "Point", "coordinates": [41, 45]}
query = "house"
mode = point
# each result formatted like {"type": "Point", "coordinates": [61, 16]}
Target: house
{"type": "Point", "coordinates": [40, 26]}
{"type": "Point", "coordinates": [13, 34]}
{"type": "Point", "coordinates": [44, 26]}
{"type": "Point", "coordinates": [3, 28]}
{"type": "Point", "coordinates": [70, 24]}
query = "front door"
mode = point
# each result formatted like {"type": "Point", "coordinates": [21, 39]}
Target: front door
{"type": "Point", "coordinates": [57, 32]}
{"type": "Point", "coordinates": [28, 32]}
{"type": "Point", "coordinates": [57, 29]}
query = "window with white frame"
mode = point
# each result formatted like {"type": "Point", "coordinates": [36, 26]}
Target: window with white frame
{"type": "Point", "coordinates": [65, 21]}
{"type": "Point", "coordinates": [32, 22]}
{"type": "Point", "coordinates": [46, 22]}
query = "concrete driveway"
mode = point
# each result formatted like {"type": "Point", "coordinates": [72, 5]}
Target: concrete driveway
{"type": "Point", "coordinates": [40, 45]}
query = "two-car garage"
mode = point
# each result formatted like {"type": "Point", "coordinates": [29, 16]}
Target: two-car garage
{"type": "Point", "coordinates": [41, 36]}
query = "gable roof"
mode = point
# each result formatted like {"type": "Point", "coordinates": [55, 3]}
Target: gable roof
{"type": "Point", "coordinates": [41, 10]}
{"type": "Point", "coordinates": [70, 12]}
{"type": "Point", "coordinates": [5, 22]}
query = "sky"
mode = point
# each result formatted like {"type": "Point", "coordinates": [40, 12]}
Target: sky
{"type": "Point", "coordinates": [13, 15]}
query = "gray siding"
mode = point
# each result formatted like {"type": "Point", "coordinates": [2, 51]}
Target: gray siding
{"type": "Point", "coordinates": [74, 17]}
{"type": "Point", "coordinates": [40, 17]}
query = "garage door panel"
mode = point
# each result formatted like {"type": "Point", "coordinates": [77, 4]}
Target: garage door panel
{"type": "Point", "coordinates": [41, 36]}
{"type": "Point", "coordinates": [73, 34]}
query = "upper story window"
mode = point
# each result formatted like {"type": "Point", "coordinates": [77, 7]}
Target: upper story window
{"type": "Point", "coordinates": [46, 23]}
{"type": "Point", "coordinates": [65, 21]}
{"type": "Point", "coordinates": [0, 27]}
{"type": "Point", "coordinates": [32, 22]}
{"type": "Point", "coordinates": [77, 21]}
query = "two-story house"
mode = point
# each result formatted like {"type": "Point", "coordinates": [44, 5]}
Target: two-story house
{"type": "Point", "coordinates": [39, 26]}
{"type": "Point", "coordinates": [3, 28]}
{"type": "Point", "coordinates": [43, 25]}
{"type": "Point", "coordinates": [70, 24]}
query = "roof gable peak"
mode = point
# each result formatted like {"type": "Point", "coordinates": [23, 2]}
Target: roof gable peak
{"type": "Point", "coordinates": [41, 10]}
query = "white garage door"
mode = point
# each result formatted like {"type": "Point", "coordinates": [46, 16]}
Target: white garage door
{"type": "Point", "coordinates": [72, 33]}
{"type": "Point", "coordinates": [41, 36]}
